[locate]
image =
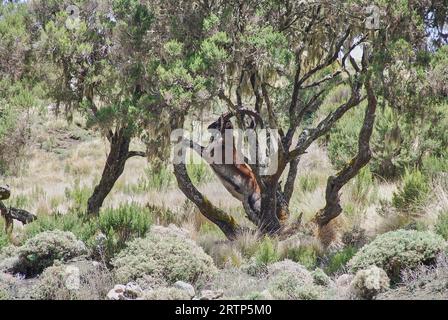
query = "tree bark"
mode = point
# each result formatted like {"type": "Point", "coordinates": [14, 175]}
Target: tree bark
{"type": "Point", "coordinates": [269, 220]}
{"type": "Point", "coordinates": [224, 221]}
{"type": "Point", "coordinates": [291, 179]}
{"type": "Point", "coordinates": [333, 207]}
{"type": "Point", "coordinates": [116, 160]}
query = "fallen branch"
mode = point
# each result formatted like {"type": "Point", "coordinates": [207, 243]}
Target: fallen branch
{"type": "Point", "coordinates": [10, 214]}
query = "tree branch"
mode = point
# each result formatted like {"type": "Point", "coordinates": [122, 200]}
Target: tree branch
{"type": "Point", "coordinates": [136, 154]}
{"type": "Point", "coordinates": [224, 221]}
{"type": "Point", "coordinates": [333, 208]}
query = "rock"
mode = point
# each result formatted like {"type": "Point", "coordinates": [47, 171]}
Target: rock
{"type": "Point", "coordinates": [211, 294]}
{"type": "Point", "coordinates": [117, 293]}
{"type": "Point", "coordinates": [186, 287]}
{"type": "Point", "coordinates": [133, 290]}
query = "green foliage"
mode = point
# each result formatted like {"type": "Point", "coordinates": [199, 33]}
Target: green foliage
{"type": "Point", "coordinates": [320, 277]}
{"type": "Point", "coordinates": [441, 226]}
{"type": "Point", "coordinates": [343, 143]}
{"type": "Point", "coordinates": [308, 182]}
{"type": "Point", "coordinates": [362, 185]}
{"type": "Point", "coordinates": [78, 195]}
{"type": "Point", "coordinates": [199, 173]}
{"type": "Point", "coordinates": [433, 165]}
{"type": "Point", "coordinates": [4, 239]}
{"type": "Point", "coordinates": [156, 178]}
{"type": "Point", "coordinates": [267, 252]}
{"type": "Point", "coordinates": [397, 250]}
{"type": "Point", "coordinates": [123, 224]}
{"type": "Point", "coordinates": [81, 227]}
{"type": "Point", "coordinates": [338, 261]}
{"type": "Point", "coordinates": [164, 253]}
{"type": "Point", "coordinates": [306, 255]}
{"type": "Point", "coordinates": [43, 249]}
{"type": "Point", "coordinates": [413, 191]}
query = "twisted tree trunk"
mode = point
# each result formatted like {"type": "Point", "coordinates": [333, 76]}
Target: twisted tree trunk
{"type": "Point", "coordinates": [116, 160]}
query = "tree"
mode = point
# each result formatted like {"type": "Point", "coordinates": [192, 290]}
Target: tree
{"type": "Point", "coordinates": [284, 58]}
{"type": "Point", "coordinates": [99, 63]}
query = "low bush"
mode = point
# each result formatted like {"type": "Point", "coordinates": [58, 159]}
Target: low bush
{"type": "Point", "coordinates": [291, 281]}
{"type": "Point", "coordinates": [43, 249]}
{"type": "Point", "coordinates": [337, 261]}
{"type": "Point", "coordinates": [413, 192]}
{"type": "Point", "coordinates": [441, 226]}
{"type": "Point", "coordinates": [120, 225]}
{"type": "Point", "coordinates": [369, 282]}
{"type": "Point", "coordinates": [267, 252]}
{"type": "Point", "coordinates": [166, 253]}
{"type": "Point", "coordinates": [305, 254]}
{"type": "Point", "coordinates": [81, 227]}
{"type": "Point", "coordinates": [397, 250]}
{"type": "Point", "coordinates": [83, 280]}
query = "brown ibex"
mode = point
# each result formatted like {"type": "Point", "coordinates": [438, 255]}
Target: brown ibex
{"type": "Point", "coordinates": [237, 177]}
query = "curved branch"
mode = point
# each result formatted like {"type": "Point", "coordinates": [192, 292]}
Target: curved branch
{"type": "Point", "coordinates": [335, 183]}
{"type": "Point", "coordinates": [224, 221]}
{"type": "Point", "coordinates": [136, 154]}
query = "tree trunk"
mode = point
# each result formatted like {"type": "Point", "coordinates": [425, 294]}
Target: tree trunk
{"type": "Point", "coordinates": [269, 221]}
{"type": "Point", "coordinates": [290, 181]}
{"type": "Point", "coordinates": [115, 163]}
{"type": "Point", "coordinates": [224, 221]}
{"type": "Point", "coordinates": [335, 183]}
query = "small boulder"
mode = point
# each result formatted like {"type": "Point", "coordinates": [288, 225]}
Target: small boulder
{"type": "Point", "coordinates": [117, 293]}
{"type": "Point", "coordinates": [133, 290]}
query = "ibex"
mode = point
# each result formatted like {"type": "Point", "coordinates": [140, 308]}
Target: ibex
{"type": "Point", "coordinates": [238, 178]}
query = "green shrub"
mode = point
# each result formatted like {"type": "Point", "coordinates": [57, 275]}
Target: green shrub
{"type": "Point", "coordinates": [78, 195]}
{"type": "Point", "coordinates": [413, 191]}
{"type": "Point", "coordinates": [267, 252]}
{"type": "Point", "coordinates": [362, 185]}
{"type": "Point", "coordinates": [81, 227]}
{"type": "Point", "coordinates": [120, 225]}
{"type": "Point", "coordinates": [166, 253]}
{"type": "Point", "coordinates": [308, 182]}
{"type": "Point", "coordinates": [441, 226]}
{"type": "Point", "coordinates": [43, 249]}
{"type": "Point", "coordinates": [337, 261]}
{"type": "Point", "coordinates": [306, 255]}
{"type": "Point", "coordinates": [157, 177]}
{"type": "Point", "coordinates": [4, 240]}
{"type": "Point", "coordinates": [433, 165]}
{"type": "Point", "coordinates": [342, 146]}
{"type": "Point", "coordinates": [397, 250]}
{"type": "Point", "coordinates": [199, 173]}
